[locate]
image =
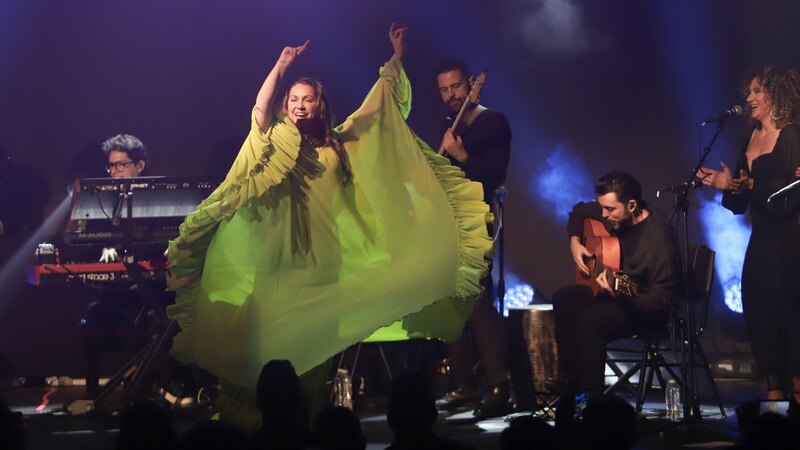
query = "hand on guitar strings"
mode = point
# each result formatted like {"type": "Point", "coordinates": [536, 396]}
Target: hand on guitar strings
{"type": "Point", "coordinates": [454, 146]}
{"type": "Point", "coordinates": [602, 281]}
{"type": "Point", "coordinates": [579, 254]}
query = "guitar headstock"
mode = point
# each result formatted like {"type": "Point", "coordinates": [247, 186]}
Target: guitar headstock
{"type": "Point", "coordinates": [477, 85]}
{"type": "Point", "coordinates": [623, 285]}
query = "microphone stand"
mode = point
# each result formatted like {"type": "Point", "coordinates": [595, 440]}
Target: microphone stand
{"type": "Point", "coordinates": [679, 219]}
{"type": "Point", "coordinates": [140, 372]}
{"type": "Point", "coordinates": [499, 198]}
{"type": "Point", "coordinates": [124, 195]}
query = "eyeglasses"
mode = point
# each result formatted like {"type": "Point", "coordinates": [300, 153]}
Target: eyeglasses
{"type": "Point", "coordinates": [122, 165]}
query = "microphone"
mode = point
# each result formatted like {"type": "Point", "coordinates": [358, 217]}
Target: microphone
{"type": "Point", "coordinates": [679, 187]}
{"type": "Point", "coordinates": [121, 201]}
{"type": "Point", "coordinates": [735, 111]}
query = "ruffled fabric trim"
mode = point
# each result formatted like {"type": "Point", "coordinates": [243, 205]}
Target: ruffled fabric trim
{"type": "Point", "coordinates": [476, 249]}
{"type": "Point", "coordinates": [472, 215]}
{"type": "Point", "coordinates": [266, 164]}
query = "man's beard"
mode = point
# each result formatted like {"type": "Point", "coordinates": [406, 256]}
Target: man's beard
{"type": "Point", "coordinates": [455, 105]}
{"type": "Point", "coordinates": [624, 224]}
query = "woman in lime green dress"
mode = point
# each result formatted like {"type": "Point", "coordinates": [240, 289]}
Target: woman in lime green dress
{"type": "Point", "coordinates": [322, 237]}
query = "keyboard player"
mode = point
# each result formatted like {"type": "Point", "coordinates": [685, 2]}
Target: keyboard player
{"type": "Point", "coordinates": [126, 157]}
{"type": "Point", "coordinates": [110, 319]}
{"type": "Point", "coordinates": [148, 210]}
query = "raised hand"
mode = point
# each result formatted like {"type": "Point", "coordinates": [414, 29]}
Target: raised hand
{"type": "Point", "coordinates": [716, 178]}
{"type": "Point", "coordinates": [397, 36]}
{"type": "Point", "coordinates": [289, 54]}
{"type": "Point", "coordinates": [273, 80]}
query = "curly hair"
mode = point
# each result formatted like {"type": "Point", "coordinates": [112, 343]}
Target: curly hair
{"type": "Point", "coordinates": [782, 87]}
{"type": "Point", "coordinates": [326, 121]}
{"type": "Point", "coordinates": [127, 143]}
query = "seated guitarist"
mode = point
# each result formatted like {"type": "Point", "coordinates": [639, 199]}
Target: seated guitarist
{"type": "Point", "coordinates": [587, 319]}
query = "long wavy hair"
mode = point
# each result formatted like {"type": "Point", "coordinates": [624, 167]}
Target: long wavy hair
{"type": "Point", "coordinates": [325, 124]}
{"type": "Point", "coordinates": [782, 86]}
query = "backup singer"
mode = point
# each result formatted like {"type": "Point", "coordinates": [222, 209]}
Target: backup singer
{"type": "Point", "coordinates": [771, 272]}
{"type": "Point", "coordinates": [321, 236]}
{"type": "Point", "coordinates": [585, 323]}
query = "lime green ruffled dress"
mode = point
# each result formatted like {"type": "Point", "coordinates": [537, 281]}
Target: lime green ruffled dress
{"type": "Point", "coordinates": [283, 261]}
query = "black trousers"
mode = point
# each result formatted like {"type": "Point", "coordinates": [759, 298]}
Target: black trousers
{"type": "Point", "coordinates": [487, 328]}
{"type": "Point", "coordinates": [585, 324]}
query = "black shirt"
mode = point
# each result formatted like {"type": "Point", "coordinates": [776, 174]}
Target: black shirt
{"type": "Point", "coordinates": [487, 141]}
{"type": "Point", "coordinates": [648, 255]}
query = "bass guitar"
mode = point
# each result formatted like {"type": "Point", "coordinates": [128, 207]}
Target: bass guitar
{"type": "Point", "coordinates": [472, 99]}
{"type": "Point", "coordinates": [606, 258]}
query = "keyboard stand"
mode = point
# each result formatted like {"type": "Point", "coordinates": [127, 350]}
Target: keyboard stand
{"type": "Point", "coordinates": [140, 372]}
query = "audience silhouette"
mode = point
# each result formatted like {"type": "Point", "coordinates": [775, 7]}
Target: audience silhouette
{"type": "Point", "coordinates": [338, 428]}
{"type": "Point", "coordinates": [608, 423]}
{"type": "Point", "coordinates": [528, 433]}
{"type": "Point", "coordinates": [279, 400]}
{"type": "Point", "coordinates": [213, 435]}
{"type": "Point", "coordinates": [12, 435]}
{"type": "Point", "coordinates": [146, 425]}
{"type": "Point", "coordinates": [411, 415]}
{"type": "Point", "coordinates": [769, 431]}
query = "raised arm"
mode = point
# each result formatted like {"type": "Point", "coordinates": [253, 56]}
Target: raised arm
{"type": "Point", "coordinates": [397, 36]}
{"type": "Point", "coordinates": [392, 88]}
{"type": "Point", "coordinates": [267, 92]}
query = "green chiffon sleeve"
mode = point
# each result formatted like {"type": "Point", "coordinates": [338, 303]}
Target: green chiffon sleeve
{"type": "Point", "coordinates": [260, 171]}
{"type": "Point", "coordinates": [368, 134]}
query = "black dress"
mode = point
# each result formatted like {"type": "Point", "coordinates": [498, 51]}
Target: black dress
{"type": "Point", "coordinates": [771, 273]}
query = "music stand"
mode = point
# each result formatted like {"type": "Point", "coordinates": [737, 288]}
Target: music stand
{"type": "Point", "coordinates": [784, 190]}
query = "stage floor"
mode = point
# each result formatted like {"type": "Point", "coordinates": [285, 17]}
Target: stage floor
{"type": "Point", "coordinates": [49, 427]}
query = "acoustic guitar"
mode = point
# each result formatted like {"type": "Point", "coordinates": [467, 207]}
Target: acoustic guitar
{"type": "Point", "coordinates": [606, 258]}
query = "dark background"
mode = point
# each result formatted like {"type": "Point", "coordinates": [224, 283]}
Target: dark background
{"type": "Point", "coordinates": [588, 87]}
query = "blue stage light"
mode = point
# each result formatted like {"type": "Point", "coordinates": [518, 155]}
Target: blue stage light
{"type": "Point", "coordinates": [563, 180]}
{"type": "Point", "coordinates": [518, 293]}
{"type": "Point", "coordinates": [727, 234]}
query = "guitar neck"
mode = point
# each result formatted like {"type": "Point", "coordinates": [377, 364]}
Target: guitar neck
{"type": "Point", "coordinates": [455, 123]}
{"type": "Point", "coordinates": [619, 284]}
{"type": "Point", "coordinates": [460, 115]}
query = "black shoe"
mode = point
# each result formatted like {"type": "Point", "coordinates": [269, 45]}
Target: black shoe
{"type": "Point", "coordinates": [464, 395]}
{"type": "Point", "coordinates": [497, 404]}
{"type": "Point", "coordinates": [559, 386]}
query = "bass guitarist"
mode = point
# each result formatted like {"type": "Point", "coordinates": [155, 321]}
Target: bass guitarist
{"type": "Point", "coordinates": [585, 321]}
{"type": "Point", "coordinates": [479, 144]}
